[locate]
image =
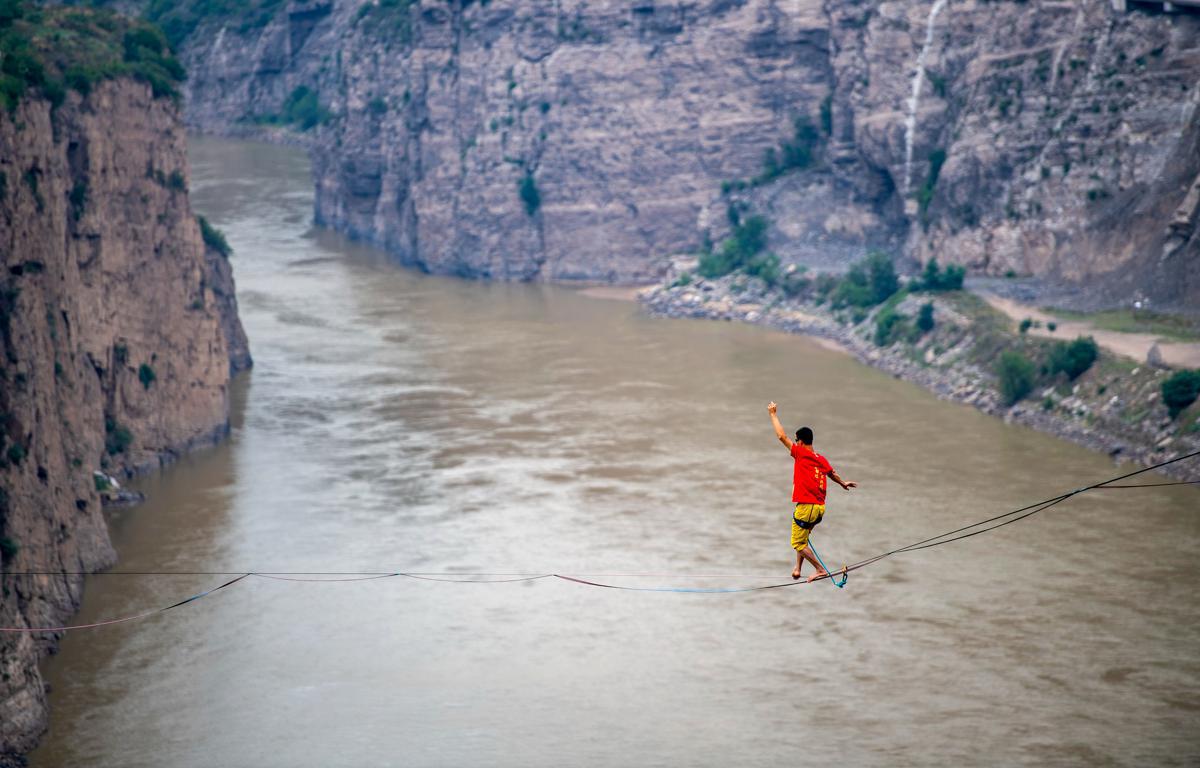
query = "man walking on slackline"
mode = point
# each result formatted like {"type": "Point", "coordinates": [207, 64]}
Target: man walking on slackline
{"type": "Point", "coordinates": [808, 490]}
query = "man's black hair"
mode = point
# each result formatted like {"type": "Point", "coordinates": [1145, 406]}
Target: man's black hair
{"type": "Point", "coordinates": [804, 435]}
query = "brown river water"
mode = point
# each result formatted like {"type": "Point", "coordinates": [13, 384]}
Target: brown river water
{"type": "Point", "coordinates": [398, 421]}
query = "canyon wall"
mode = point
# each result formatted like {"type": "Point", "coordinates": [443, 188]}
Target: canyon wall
{"type": "Point", "coordinates": [592, 139]}
{"type": "Point", "coordinates": [120, 334]}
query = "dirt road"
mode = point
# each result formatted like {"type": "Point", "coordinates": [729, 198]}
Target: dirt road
{"type": "Point", "coordinates": [1133, 345]}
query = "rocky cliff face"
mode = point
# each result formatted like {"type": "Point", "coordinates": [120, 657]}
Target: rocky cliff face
{"type": "Point", "coordinates": [119, 333]}
{"type": "Point", "coordinates": [591, 139]}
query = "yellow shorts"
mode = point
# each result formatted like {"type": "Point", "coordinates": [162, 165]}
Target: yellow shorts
{"type": "Point", "coordinates": [809, 513]}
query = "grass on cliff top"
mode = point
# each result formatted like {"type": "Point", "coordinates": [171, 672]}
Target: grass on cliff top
{"type": "Point", "coordinates": [1137, 321]}
{"type": "Point", "coordinates": [55, 49]}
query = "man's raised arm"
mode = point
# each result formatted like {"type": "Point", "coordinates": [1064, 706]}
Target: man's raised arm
{"type": "Point", "coordinates": [783, 438]}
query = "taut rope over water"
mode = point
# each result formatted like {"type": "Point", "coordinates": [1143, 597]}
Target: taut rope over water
{"type": "Point", "coordinates": [958, 534]}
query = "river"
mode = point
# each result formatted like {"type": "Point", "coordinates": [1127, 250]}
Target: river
{"type": "Point", "coordinates": [400, 421]}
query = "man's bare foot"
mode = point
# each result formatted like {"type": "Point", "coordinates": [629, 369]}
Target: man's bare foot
{"type": "Point", "coordinates": [796, 573]}
{"type": "Point", "coordinates": [818, 575]}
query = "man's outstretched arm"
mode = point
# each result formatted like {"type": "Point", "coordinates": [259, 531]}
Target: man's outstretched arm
{"type": "Point", "coordinates": [783, 438]}
{"type": "Point", "coordinates": [847, 484]}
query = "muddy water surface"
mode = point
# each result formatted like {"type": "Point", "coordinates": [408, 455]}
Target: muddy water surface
{"type": "Point", "coordinates": [396, 421]}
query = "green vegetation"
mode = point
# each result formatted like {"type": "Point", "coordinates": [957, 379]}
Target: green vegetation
{"type": "Point", "coordinates": [180, 18]}
{"type": "Point", "coordinates": [9, 548]}
{"type": "Point", "coordinates": [53, 49]}
{"type": "Point", "coordinates": [741, 251]}
{"type": "Point", "coordinates": [303, 108]}
{"type": "Point", "coordinates": [797, 152]}
{"type": "Point", "coordinates": [1016, 374]}
{"type": "Point", "coordinates": [176, 181]}
{"type": "Point", "coordinates": [890, 326]}
{"type": "Point", "coordinates": [146, 375]}
{"type": "Point", "coordinates": [16, 453]}
{"type": "Point", "coordinates": [120, 354]}
{"type": "Point", "coordinates": [827, 114]}
{"type": "Point", "coordinates": [377, 106]}
{"type": "Point", "coordinates": [527, 187]}
{"type": "Point", "coordinates": [935, 279]}
{"type": "Point", "coordinates": [389, 19]}
{"type": "Point", "coordinates": [937, 158]}
{"type": "Point", "coordinates": [78, 199]}
{"type": "Point", "coordinates": [214, 238]}
{"type": "Point", "coordinates": [101, 482]}
{"type": "Point", "coordinates": [867, 283]}
{"type": "Point", "coordinates": [1072, 358]}
{"type": "Point", "coordinates": [117, 438]}
{"type": "Point", "coordinates": [1179, 390]}
{"type": "Point", "coordinates": [682, 280]}
{"type": "Point", "coordinates": [925, 322]}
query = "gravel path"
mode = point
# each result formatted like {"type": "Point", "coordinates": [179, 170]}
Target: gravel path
{"type": "Point", "coordinates": [1133, 345]}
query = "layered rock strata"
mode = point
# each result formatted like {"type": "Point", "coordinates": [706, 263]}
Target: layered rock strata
{"type": "Point", "coordinates": [119, 333]}
{"type": "Point", "coordinates": [590, 139]}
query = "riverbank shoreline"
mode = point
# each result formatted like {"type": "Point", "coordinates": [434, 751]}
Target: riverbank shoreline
{"type": "Point", "coordinates": [1088, 419]}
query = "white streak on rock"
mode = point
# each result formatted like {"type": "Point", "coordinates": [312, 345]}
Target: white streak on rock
{"type": "Point", "coordinates": [910, 120]}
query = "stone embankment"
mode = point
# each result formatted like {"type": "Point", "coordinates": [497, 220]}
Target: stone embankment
{"type": "Point", "coordinates": [120, 335]}
{"type": "Point", "coordinates": [1114, 408]}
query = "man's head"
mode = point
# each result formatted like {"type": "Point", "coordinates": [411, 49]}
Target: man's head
{"type": "Point", "coordinates": [804, 435]}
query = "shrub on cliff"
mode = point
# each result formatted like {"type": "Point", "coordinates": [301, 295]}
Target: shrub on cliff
{"type": "Point", "coordinates": [303, 109]}
{"type": "Point", "coordinates": [925, 321]}
{"type": "Point", "coordinates": [146, 375]}
{"type": "Point", "coordinates": [794, 153]}
{"type": "Point", "coordinates": [890, 325]}
{"type": "Point", "coordinates": [937, 158]}
{"type": "Point", "coordinates": [1016, 375]}
{"type": "Point", "coordinates": [1073, 358]}
{"type": "Point", "coordinates": [213, 237]}
{"type": "Point", "coordinates": [15, 454]}
{"type": "Point", "coordinates": [936, 279]}
{"type": "Point", "coordinates": [530, 195]}
{"type": "Point", "coordinates": [867, 283]}
{"type": "Point", "coordinates": [1179, 390]}
{"type": "Point", "coordinates": [117, 438]}
{"type": "Point", "coordinates": [765, 267]}
{"type": "Point", "coordinates": [739, 251]}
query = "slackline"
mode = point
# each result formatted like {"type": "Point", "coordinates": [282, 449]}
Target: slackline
{"type": "Point", "coordinates": [958, 534]}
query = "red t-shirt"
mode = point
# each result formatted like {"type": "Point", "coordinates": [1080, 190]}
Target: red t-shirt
{"type": "Point", "coordinates": [808, 475]}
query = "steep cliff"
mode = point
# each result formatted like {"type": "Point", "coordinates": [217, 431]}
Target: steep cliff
{"type": "Point", "coordinates": [119, 332]}
{"type": "Point", "coordinates": [590, 139]}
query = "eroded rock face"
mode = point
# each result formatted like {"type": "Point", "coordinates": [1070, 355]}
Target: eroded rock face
{"type": "Point", "coordinates": [1050, 138]}
{"type": "Point", "coordinates": [120, 330]}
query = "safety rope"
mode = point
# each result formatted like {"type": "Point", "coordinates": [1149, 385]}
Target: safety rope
{"type": "Point", "coordinates": [958, 534]}
{"type": "Point", "coordinates": [845, 570]}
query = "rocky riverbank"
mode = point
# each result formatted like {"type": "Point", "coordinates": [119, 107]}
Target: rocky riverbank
{"type": "Point", "coordinates": [1114, 407]}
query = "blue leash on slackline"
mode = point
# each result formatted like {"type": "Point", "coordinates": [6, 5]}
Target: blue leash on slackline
{"type": "Point", "coordinates": [833, 581]}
